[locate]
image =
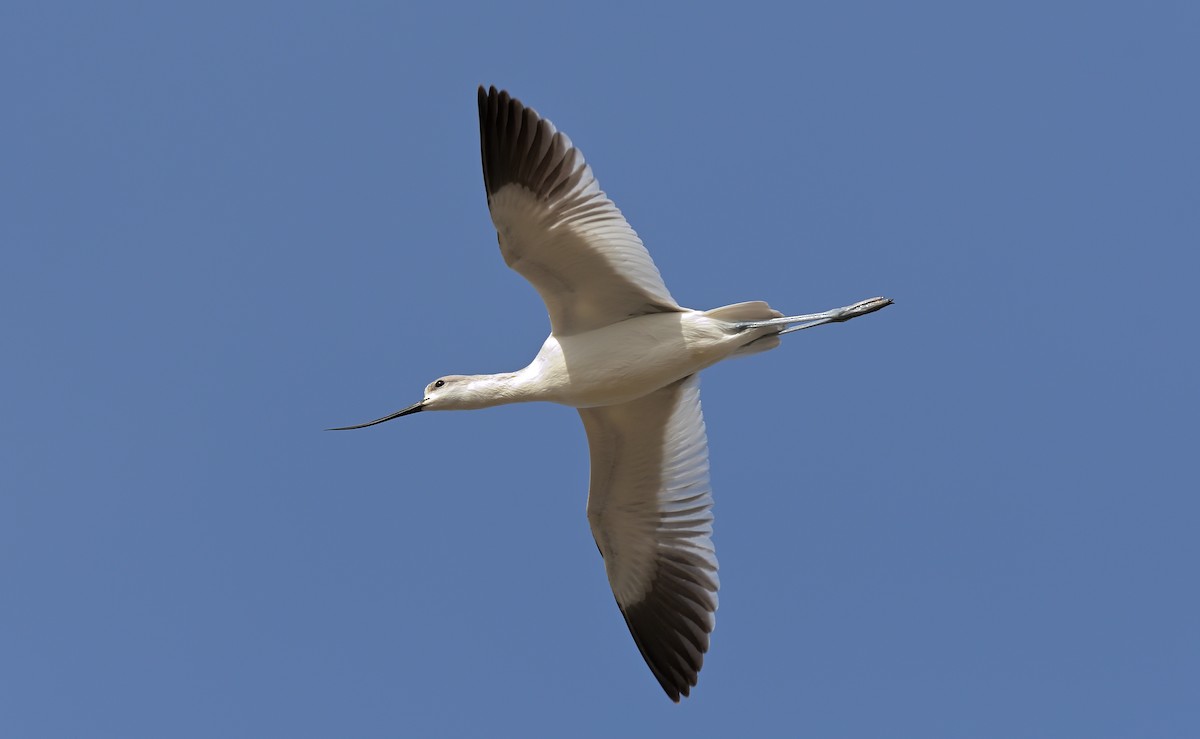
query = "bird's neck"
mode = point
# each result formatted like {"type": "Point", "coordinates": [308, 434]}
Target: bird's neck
{"type": "Point", "coordinates": [485, 391]}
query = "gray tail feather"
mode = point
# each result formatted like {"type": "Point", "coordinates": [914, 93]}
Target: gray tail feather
{"type": "Point", "coordinates": [761, 344]}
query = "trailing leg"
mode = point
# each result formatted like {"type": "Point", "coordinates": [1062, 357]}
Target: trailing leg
{"type": "Point", "coordinates": [837, 315]}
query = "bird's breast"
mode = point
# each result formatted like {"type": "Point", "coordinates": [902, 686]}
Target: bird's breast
{"type": "Point", "coordinates": [626, 360]}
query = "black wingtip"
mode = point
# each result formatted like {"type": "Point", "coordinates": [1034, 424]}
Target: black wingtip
{"type": "Point", "coordinates": [660, 647]}
{"type": "Point", "coordinates": [519, 146]}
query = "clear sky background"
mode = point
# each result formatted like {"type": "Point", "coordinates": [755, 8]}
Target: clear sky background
{"type": "Point", "coordinates": [227, 226]}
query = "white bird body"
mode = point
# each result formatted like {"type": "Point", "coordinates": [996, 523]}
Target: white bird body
{"type": "Point", "coordinates": [624, 361]}
{"type": "Point", "coordinates": [624, 353]}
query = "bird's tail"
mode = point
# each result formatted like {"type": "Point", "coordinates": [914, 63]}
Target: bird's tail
{"type": "Point", "coordinates": [754, 310]}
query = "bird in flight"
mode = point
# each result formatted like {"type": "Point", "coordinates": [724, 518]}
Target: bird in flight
{"type": "Point", "coordinates": [627, 356]}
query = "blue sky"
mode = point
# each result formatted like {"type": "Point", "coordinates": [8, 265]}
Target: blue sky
{"type": "Point", "coordinates": [227, 227]}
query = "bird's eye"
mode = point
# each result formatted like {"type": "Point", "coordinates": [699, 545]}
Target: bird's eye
{"type": "Point", "coordinates": [439, 383]}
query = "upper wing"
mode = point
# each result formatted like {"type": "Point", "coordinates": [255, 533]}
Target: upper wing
{"type": "Point", "coordinates": [557, 228]}
{"type": "Point", "coordinates": [650, 508]}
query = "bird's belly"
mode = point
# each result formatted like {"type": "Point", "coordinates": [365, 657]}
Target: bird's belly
{"type": "Point", "coordinates": [627, 360]}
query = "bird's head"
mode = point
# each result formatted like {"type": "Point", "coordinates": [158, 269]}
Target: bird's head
{"type": "Point", "coordinates": [449, 393]}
